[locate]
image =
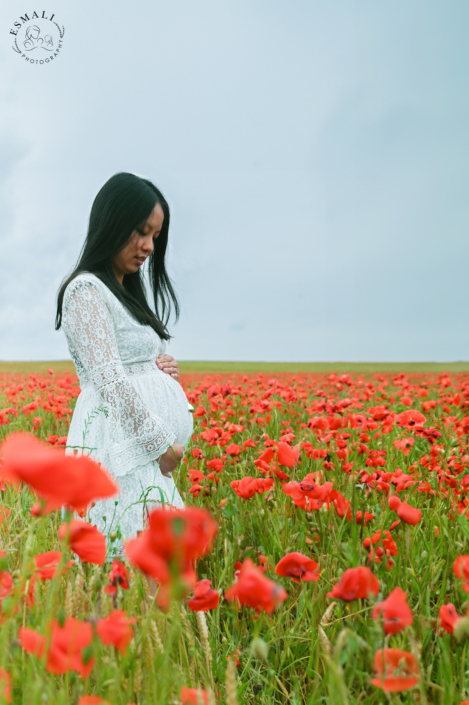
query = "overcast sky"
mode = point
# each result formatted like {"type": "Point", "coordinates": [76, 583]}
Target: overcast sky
{"type": "Point", "coordinates": [314, 156]}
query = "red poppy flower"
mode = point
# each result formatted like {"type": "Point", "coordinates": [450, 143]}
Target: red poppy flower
{"type": "Point", "coordinates": [93, 700]}
{"type": "Point", "coordinates": [408, 514]}
{"type": "Point", "coordinates": [200, 411]}
{"type": "Point", "coordinates": [233, 449]}
{"type": "Point", "coordinates": [399, 671]}
{"type": "Point", "coordinates": [248, 486]}
{"type": "Point", "coordinates": [6, 581]}
{"type": "Point", "coordinates": [182, 535]}
{"type": "Point", "coordinates": [196, 476]}
{"type": "Point", "coordinates": [141, 554]}
{"type": "Point", "coordinates": [48, 563]}
{"type": "Point", "coordinates": [85, 540]}
{"type": "Point", "coordinates": [341, 505]}
{"type": "Point", "coordinates": [217, 464]}
{"type": "Point", "coordinates": [175, 537]}
{"type": "Point", "coordinates": [5, 681]}
{"type": "Point", "coordinates": [195, 490]}
{"type": "Point", "coordinates": [66, 646]}
{"type": "Point", "coordinates": [193, 696]}
{"type": "Point", "coordinates": [394, 502]}
{"type": "Point", "coordinates": [205, 597]}
{"type": "Point", "coordinates": [287, 455]}
{"type": "Point", "coordinates": [359, 517]}
{"type": "Point", "coordinates": [116, 630]}
{"type": "Point", "coordinates": [119, 575]}
{"type": "Point", "coordinates": [396, 612]}
{"type": "Point", "coordinates": [29, 408]}
{"type": "Point", "coordinates": [252, 588]}
{"type": "Point", "coordinates": [325, 493]}
{"type": "Point", "coordinates": [57, 478]}
{"type": "Point", "coordinates": [461, 570]}
{"type": "Point", "coordinates": [32, 641]}
{"type": "Point", "coordinates": [411, 419]}
{"type": "Point", "coordinates": [298, 567]}
{"type": "Point", "coordinates": [448, 617]}
{"type": "Point", "coordinates": [299, 497]}
{"type": "Point", "coordinates": [284, 453]}
{"type": "Point", "coordinates": [404, 444]}
{"type": "Point", "coordinates": [188, 532]}
{"type": "Point", "coordinates": [235, 657]}
{"type": "Point", "coordinates": [461, 567]}
{"type": "Point", "coordinates": [389, 544]}
{"type": "Point", "coordinates": [355, 583]}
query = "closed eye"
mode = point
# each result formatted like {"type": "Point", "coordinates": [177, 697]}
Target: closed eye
{"type": "Point", "coordinates": [143, 234]}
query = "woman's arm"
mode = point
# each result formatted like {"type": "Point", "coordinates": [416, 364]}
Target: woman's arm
{"type": "Point", "coordinates": [136, 434]}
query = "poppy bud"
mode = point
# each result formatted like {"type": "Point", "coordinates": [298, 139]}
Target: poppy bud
{"type": "Point", "coordinates": [7, 605]}
{"type": "Point", "coordinates": [461, 629]}
{"type": "Point", "coordinates": [87, 654]}
{"type": "Point", "coordinates": [259, 649]}
{"type": "Point", "coordinates": [61, 617]}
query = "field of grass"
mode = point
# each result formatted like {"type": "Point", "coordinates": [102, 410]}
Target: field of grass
{"type": "Point", "coordinates": [214, 367]}
{"type": "Point", "coordinates": [307, 475]}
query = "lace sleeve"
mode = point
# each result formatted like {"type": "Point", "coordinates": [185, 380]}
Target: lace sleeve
{"type": "Point", "coordinates": [136, 435]}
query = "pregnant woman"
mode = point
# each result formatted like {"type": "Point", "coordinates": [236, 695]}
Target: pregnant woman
{"type": "Point", "coordinates": [132, 414]}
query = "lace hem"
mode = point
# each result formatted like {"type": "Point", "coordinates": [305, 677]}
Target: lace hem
{"type": "Point", "coordinates": [126, 457]}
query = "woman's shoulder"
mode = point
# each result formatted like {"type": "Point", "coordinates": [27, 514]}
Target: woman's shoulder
{"type": "Point", "coordinates": [85, 281]}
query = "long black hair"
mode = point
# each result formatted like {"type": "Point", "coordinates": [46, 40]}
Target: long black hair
{"type": "Point", "coordinates": [122, 206]}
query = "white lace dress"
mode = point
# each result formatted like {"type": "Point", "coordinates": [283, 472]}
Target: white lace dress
{"type": "Point", "coordinates": [129, 411]}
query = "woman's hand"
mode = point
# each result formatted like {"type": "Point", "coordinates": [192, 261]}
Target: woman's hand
{"type": "Point", "coordinates": [168, 364]}
{"type": "Point", "coordinates": [168, 462]}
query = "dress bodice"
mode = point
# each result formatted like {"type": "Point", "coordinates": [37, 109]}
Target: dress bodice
{"type": "Point", "coordinates": [138, 345]}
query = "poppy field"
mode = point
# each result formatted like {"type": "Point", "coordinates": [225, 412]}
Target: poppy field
{"type": "Point", "coordinates": [323, 555]}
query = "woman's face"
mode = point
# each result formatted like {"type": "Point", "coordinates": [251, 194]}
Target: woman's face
{"type": "Point", "coordinates": [140, 245]}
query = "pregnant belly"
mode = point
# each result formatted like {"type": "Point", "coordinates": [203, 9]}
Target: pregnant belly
{"type": "Point", "coordinates": [166, 398]}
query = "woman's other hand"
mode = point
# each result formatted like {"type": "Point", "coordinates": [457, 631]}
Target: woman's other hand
{"type": "Point", "coordinates": [168, 364]}
{"type": "Point", "coordinates": [168, 462]}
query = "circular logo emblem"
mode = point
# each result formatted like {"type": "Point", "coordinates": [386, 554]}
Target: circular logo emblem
{"type": "Point", "coordinates": [38, 39]}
